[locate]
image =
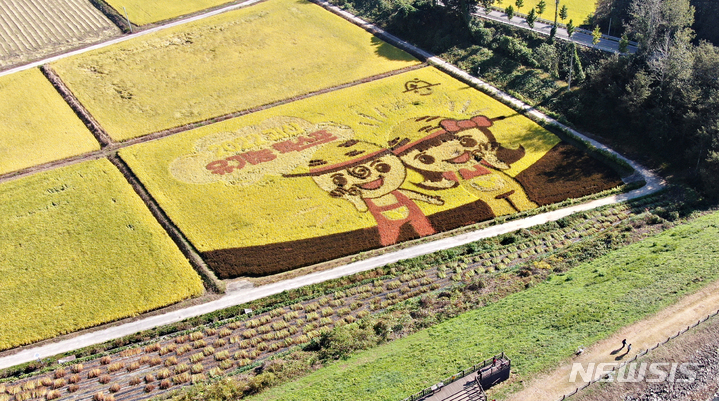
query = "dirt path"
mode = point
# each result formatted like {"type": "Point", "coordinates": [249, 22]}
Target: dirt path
{"type": "Point", "coordinates": [642, 335]}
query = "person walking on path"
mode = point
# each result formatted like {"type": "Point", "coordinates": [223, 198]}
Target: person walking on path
{"type": "Point", "coordinates": [624, 344]}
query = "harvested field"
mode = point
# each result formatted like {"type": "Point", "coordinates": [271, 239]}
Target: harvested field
{"type": "Point", "coordinates": [30, 30]}
{"type": "Point", "coordinates": [238, 60]}
{"type": "Point", "coordinates": [79, 248]}
{"type": "Point", "coordinates": [142, 12]}
{"type": "Point", "coordinates": [37, 125]}
{"type": "Point", "coordinates": [322, 177]}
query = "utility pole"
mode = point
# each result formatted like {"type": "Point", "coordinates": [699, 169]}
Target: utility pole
{"type": "Point", "coordinates": [571, 70]}
{"type": "Point", "coordinates": [609, 30]}
{"type": "Point", "coordinates": [129, 24]}
{"type": "Point", "coordinates": [556, 14]}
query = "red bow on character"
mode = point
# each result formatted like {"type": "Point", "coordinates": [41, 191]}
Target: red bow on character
{"type": "Point", "coordinates": [461, 125]}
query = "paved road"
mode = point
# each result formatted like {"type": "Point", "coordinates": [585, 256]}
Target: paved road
{"type": "Point", "coordinates": [240, 296]}
{"type": "Point", "coordinates": [580, 36]}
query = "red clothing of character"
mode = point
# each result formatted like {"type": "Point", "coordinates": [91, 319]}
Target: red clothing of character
{"type": "Point", "coordinates": [389, 229]}
{"type": "Point", "coordinates": [466, 173]}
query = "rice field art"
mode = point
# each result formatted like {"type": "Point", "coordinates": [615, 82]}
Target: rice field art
{"type": "Point", "coordinates": [360, 168]}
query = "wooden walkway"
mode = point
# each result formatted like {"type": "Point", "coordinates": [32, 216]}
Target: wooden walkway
{"type": "Point", "coordinates": [464, 389]}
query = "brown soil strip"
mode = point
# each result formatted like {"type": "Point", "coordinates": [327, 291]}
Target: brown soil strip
{"type": "Point", "coordinates": [642, 335]}
{"type": "Point", "coordinates": [211, 281]}
{"type": "Point", "coordinates": [80, 110]}
{"type": "Point", "coordinates": [113, 15]}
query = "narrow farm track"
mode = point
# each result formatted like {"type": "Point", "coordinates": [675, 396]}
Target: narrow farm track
{"type": "Point", "coordinates": [642, 335]}
{"type": "Point", "coordinates": [31, 29]}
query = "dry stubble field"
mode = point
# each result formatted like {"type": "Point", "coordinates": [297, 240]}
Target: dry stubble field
{"type": "Point", "coordinates": [30, 29]}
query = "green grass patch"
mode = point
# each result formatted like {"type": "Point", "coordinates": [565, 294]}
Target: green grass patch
{"type": "Point", "coordinates": [537, 328]}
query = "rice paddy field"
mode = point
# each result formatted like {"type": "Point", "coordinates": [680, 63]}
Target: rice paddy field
{"type": "Point", "coordinates": [37, 125]}
{"type": "Point", "coordinates": [235, 61]}
{"type": "Point", "coordinates": [337, 174]}
{"type": "Point", "coordinates": [146, 12]}
{"type": "Point", "coordinates": [577, 10]}
{"type": "Point", "coordinates": [79, 248]}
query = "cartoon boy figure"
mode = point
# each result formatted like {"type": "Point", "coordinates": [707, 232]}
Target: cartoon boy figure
{"type": "Point", "coordinates": [449, 152]}
{"type": "Point", "coordinates": [369, 177]}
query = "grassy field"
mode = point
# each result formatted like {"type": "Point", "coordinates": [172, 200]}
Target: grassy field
{"type": "Point", "coordinates": [183, 170]}
{"type": "Point", "coordinates": [37, 125]}
{"type": "Point", "coordinates": [79, 248]}
{"type": "Point", "coordinates": [238, 60]}
{"type": "Point", "coordinates": [577, 10]}
{"type": "Point", "coordinates": [537, 328]}
{"type": "Point", "coordinates": [143, 12]}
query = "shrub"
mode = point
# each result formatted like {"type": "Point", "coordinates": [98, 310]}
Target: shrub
{"type": "Point", "coordinates": [222, 355]}
{"type": "Point", "coordinates": [144, 359]}
{"type": "Point", "coordinates": [94, 373]}
{"type": "Point", "coordinates": [224, 332]}
{"type": "Point", "coordinates": [149, 388]}
{"type": "Point", "coordinates": [197, 378]}
{"type": "Point", "coordinates": [182, 378]}
{"type": "Point", "coordinates": [210, 331]}
{"type": "Point", "coordinates": [53, 394]}
{"type": "Point", "coordinates": [165, 384]}
{"type": "Point", "coordinates": [74, 379]}
{"type": "Point", "coordinates": [219, 343]}
{"type": "Point", "coordinates": [72, 388]}
{"type": "Point", "coordinates": [327, 312]}
{"type": "Point", "coordinates": [312, 307]}
{"type": "Point", "coordinates": [181, 368]}
{"type": "Point", "coordinates": [197, 368]}
{"type": "Point", "coordinates": [77, 368]}
{"type": "Point", "coordinates": [199, 344]}
{"type": "Point", "coordinates": [171, 361]}
{"type": "Point", "coordinates": [114, 367]}
{"type": "Point", "coordinates": [183, 349]}
{"type": "Point", "coordinates": [57, 383]}
{"type": "Point", "coordinates": [164, 374]}
{"type": "Point", "coordinates": [214, 372]}
{"type": "Point", "coordinates": [279, 325]}
{"type": "Point", "coordinates": [227, 364]}
{"type": "Point", "coordinates": [104, 379]}
{"type": "Point", "coordinates": [208, 351]}
{"type": "Point", "coordinates": [249, 333]}
{"type": "Point", "coordinates": [194, 358]}
{"type": "Point", "coordinates": [148, 349]}
{"type": "Point", "coordinates": [105, 360]}
{"type": "Point", "coordinates": [137, 380]}
{"type": "Point", "coordinates": [156, 360]}
{"type": "Point", "coordinates": [168, 349]}
{"type": "Point", "coordinates": [115, 388]}
{"type": "Point", "coordinates": [197, 335]}
{"type": "Point", "coordinates": [181, 339]}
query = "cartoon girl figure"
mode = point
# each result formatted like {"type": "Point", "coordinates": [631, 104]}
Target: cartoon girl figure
{"type": "Point", "coordinates": [369, 177]}
{"type": "Point", "coordinates": [448, 153]}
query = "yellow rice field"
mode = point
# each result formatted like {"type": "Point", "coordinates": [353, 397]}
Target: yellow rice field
{"type": "Point", "coordinates": [234, 61]}
{"type": "Point", "coordinates": [79, 248]}
{"type": "Point", "coordinates": [577, 10]}
{"type": "Point", "coordinates": [37, 126]}
{"type": "Point", "coordinates": [247, 172]}
{"type": "Point", "coordinates": [142, 12]}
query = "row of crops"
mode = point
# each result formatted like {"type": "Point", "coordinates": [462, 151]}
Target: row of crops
{"type": "Point", "coordinates": [239, 343]}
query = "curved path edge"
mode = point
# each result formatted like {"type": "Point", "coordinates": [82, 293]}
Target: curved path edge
{"type": "Point", "coordinates": [653, 184]}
